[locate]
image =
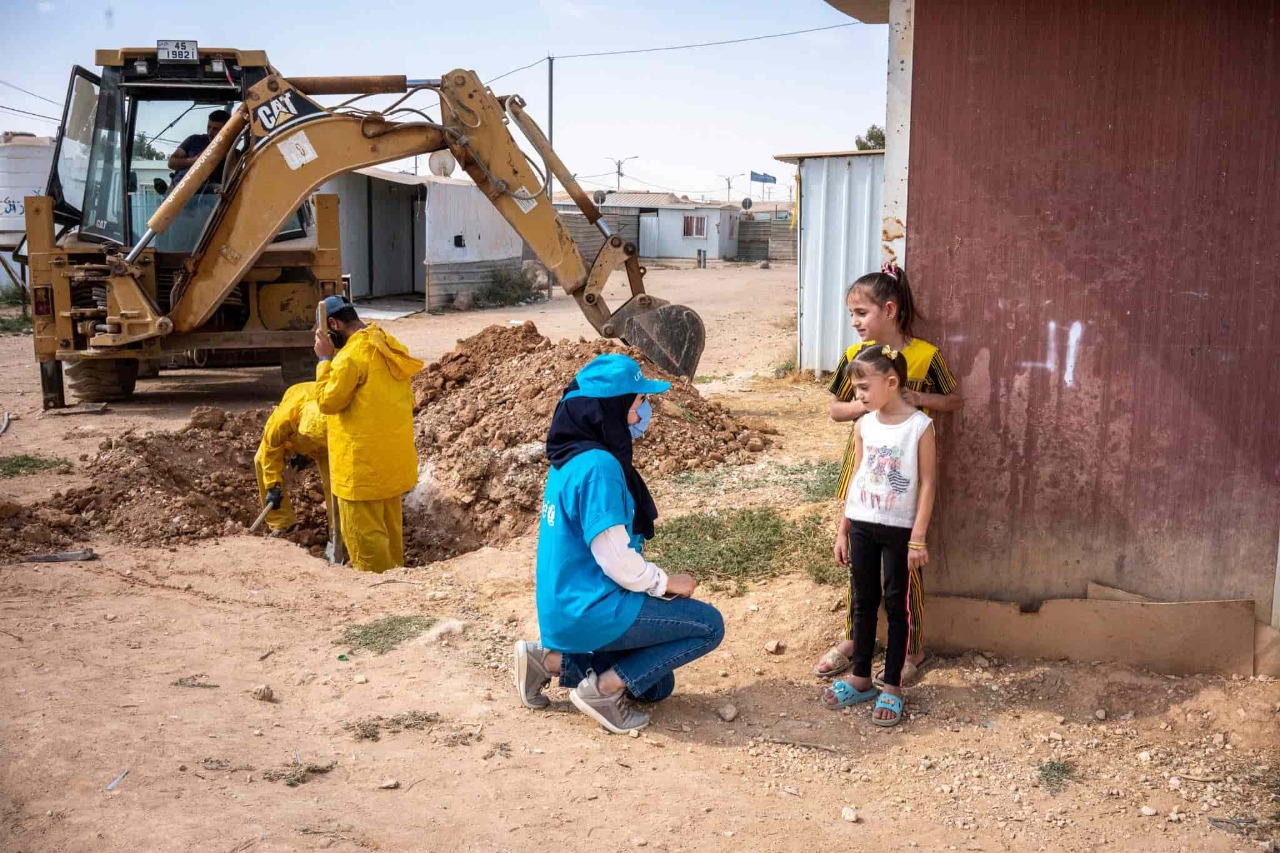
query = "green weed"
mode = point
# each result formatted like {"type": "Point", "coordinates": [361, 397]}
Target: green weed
{"type": "Point", "coordinates": [728, 548]}
{"type": "Point", "coordinates": [1054, 775]}
{"type": "Point", "coordinates": [23, 463]}
{"type": "Point", "coordinates": [382, 635]}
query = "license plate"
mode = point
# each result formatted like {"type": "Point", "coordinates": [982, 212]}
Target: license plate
{"type": "Point", "coordinates": [177, 51]}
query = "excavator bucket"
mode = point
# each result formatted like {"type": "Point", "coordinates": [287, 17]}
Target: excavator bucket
{"type": "Point", "coordinates": [671, 336]}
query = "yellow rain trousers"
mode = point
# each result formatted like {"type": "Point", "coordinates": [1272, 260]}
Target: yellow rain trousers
{"type": "Point", "coordinates": [294, 426]}
{"type": "Point", "coordinates": [365, 392]}
{"type": "Point", "coordinates": [373, 532]}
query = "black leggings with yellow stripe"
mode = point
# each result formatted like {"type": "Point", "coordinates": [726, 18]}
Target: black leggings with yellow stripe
{"type": "Point", "coordinates": [915, 610]}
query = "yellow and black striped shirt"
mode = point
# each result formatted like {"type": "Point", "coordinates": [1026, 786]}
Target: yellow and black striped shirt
{"type": "Point", "coordinates": [927, 372]}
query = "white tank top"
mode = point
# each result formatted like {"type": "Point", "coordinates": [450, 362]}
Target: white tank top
{"type": "Point", "coordinates": [886, 485]}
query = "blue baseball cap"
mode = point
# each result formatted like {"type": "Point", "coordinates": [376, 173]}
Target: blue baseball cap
{"type": "Point", "coordinates": [613, 375]}
{"type": "Point", "coordinates": [334, 304]}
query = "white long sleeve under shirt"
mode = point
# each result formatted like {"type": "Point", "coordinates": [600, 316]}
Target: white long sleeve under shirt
{"type": "Point", "coordinates": [626, 566]}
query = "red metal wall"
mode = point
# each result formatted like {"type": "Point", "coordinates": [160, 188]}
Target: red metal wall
{"type": "Point", "coordinates": [1094, 233]}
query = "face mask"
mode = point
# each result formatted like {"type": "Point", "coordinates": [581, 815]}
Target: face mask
{"type": "Point", "coordinates": [645, 411]}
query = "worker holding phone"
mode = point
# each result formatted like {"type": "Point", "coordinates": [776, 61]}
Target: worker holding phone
{"type": "Point", "coordinates": [363, 387]}
{"type": "Point", "coordinates": [614, 626]}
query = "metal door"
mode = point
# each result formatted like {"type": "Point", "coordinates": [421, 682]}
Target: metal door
{"type": "Point", "coordinates": [649, 235]}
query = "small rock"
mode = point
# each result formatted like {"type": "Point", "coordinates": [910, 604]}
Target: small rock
{"type": "Point", "coordinates": [110, 617]}
{"type": "Point", "coordinates": [753, 607]}
{"type": "Point", "coordinates": [1144, 757]}
{"type": "Point", "coordinates": [263, 693]}
{"type": "Point", "coordinates": [757, 671]}
{"type": "Point", "coordinates": [640, 842]}
{"type": "Point", "coordinates": [257, 732]}
{"type": "Point", "coordinates": [850, 814]}
{"type": "Point", "coordinates": [1175, 783]}
{"type": "Point", "coordinates": [724, 673]}
{"type": "Point", "coordinates": [791, 789]}
{"type": "Point", "coordinates": [389, 784]}
{"type": "Point", "coordinates": [728, 712]}
{"type": "Point", "coordinates": [775, 647]}
{"type": "Point", "coordinates": [361, 678]}
{"type": "Point", "coordinates": [1061, 719]}
{"type": "Point", "coordinates": [633, 733]}
{"type": "Point", "coordinates": [981, 662]}
{"type": "Point", "coordinates": [1100, 714]}
{"type": "Point", "coordinates": [1148, 811]}
{"type": "Point", "coordinates": [182, 767]}
{"type": "Point", "coordinates": [1220, 740]}
{"type": "Point", "coordinates": [1055, 736]}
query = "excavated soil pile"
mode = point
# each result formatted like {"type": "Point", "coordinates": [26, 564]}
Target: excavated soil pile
{"type": "Point", "coordinates": [483, 413]}
{"type": "Point", "coordinates": [164, 488]}
{"type": "Point", "coordinates": [35, 530]}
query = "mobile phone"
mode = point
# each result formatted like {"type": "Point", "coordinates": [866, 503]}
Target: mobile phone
{"type": "Point", "coordinates": [671, 596]}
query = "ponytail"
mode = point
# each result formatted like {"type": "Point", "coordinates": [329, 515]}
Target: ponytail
{"type": "Point", "coordinates": [891, 285]}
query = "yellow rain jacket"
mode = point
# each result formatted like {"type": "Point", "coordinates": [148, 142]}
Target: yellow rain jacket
{"type": "Point", "coordinates": [294, 426]}
{"type": "Point", "coordinates": [365, 391]}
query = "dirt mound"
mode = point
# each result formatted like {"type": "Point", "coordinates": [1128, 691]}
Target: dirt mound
{"type": "Point", "coordinates": [163, 488]}
{"type": "Point", "coordinates": [35, 530]}
{"type": "Point", "coordinates": [482, 422]}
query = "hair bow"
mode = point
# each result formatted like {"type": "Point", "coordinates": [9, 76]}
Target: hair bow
{"type": "Point", "coordinates": [890, 269]}
{"type": "Point", "coordinates": [889, 352]}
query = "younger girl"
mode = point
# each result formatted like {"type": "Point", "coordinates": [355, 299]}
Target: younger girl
{"type": "Point", "coordinates": [886, 517]}
{"type": "Point", "coordinates": [883, 312]}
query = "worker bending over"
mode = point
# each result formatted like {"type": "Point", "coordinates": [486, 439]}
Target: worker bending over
{"type": "Point", "coordinates": [362, 384]}
{"type": "Point", "coordinates": [294, 435]}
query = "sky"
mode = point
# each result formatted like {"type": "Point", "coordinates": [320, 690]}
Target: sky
{"type": "Point", "coordinates": [689, 117]}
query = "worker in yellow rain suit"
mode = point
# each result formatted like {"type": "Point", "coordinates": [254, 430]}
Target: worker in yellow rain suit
{"type": "Point", "coordinates": [362, 384]}
{"type": "Point", "coordinates": [295, 432]}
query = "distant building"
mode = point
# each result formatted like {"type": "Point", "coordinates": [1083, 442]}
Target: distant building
{"type": "Point", "coordinates": [664, 225]}
{"type": "Point", "coordinates": [420, 234]}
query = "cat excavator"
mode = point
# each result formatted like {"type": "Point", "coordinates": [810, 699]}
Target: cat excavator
{"type": "Point", "coordinates": [232, 257]}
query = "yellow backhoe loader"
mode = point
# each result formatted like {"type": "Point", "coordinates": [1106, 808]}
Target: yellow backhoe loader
{"type": "Point", "coordinates": [228, 261]}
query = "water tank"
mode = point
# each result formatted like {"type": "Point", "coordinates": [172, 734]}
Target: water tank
{"type": "Point", "coordinates": [25, 161]}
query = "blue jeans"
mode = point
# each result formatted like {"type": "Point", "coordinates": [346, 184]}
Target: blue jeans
{"type": "Point", "coordinates": [665, 636]}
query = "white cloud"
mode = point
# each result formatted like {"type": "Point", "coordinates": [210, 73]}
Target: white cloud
{"type": "Point", "coordinates": [44, 7]}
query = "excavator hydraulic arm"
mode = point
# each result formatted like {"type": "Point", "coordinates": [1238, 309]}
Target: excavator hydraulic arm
{"type": "Point", "coordinates": [295, 145]}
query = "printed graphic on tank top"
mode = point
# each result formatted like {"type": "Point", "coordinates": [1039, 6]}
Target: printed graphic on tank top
{"type": "Point", "coordinates": [886, 484]}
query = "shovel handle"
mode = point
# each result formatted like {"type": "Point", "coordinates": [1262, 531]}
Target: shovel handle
{"type": "Point", "coordinates": [262, 516]}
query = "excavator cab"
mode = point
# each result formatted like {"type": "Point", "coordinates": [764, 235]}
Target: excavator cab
{"type": "Point", "coordinates": [110, 174]}
{"type": "Point", "coordinates": [111, 171]}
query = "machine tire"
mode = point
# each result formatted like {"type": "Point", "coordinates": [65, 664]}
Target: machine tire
{"type": "Point", "coordinates": [102, 380]}
{"type": "Point", "coordinates": [297, 365]}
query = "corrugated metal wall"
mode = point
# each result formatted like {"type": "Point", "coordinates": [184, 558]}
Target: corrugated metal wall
{"type": "Point", "coordinates": [589, 238]}
{"type": "Point", "coordinates": [839, 240]}
{"type": "Point", "coordinates": [1095, 234]}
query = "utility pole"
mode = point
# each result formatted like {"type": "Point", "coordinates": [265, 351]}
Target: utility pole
{"type": "Point", "coordinates": [551, 115]}
{"type": "Point", "coordinates": [618, 167]}
{"type": "Point", "coordinates": [728, 190]}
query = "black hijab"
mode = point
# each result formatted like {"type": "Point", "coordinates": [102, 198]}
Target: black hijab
{"type": "Point", "coordinates": [600, 423]}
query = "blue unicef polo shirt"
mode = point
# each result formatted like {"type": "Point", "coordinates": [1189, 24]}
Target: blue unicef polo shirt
{"type": "Point", "coordinates": [580, 608]}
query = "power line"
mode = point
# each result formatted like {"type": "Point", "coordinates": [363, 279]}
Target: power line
{"type": "Point", "coordinates": [707, 43]}
{"type": "Point", "coordinates": [514, 70]}
{"type": "Point", "coordinates": [26, 113]}
{"type": "Point", "coordinates": [674, 47]}
{"type": "Point", "coordinates": [32, 94]}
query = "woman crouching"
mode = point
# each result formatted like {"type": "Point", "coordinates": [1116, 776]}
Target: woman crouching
{"type": "Point", "coordinates": [614, 626]}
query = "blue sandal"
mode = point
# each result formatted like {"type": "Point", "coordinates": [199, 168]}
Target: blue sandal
{"type": "Point", "coordinates": [846, 695]}
{"type": "Point", "coordinates": [890, 703]}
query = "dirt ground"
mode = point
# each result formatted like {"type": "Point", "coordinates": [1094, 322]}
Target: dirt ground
{"type": "Point", "coordinates": [93, 651]}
